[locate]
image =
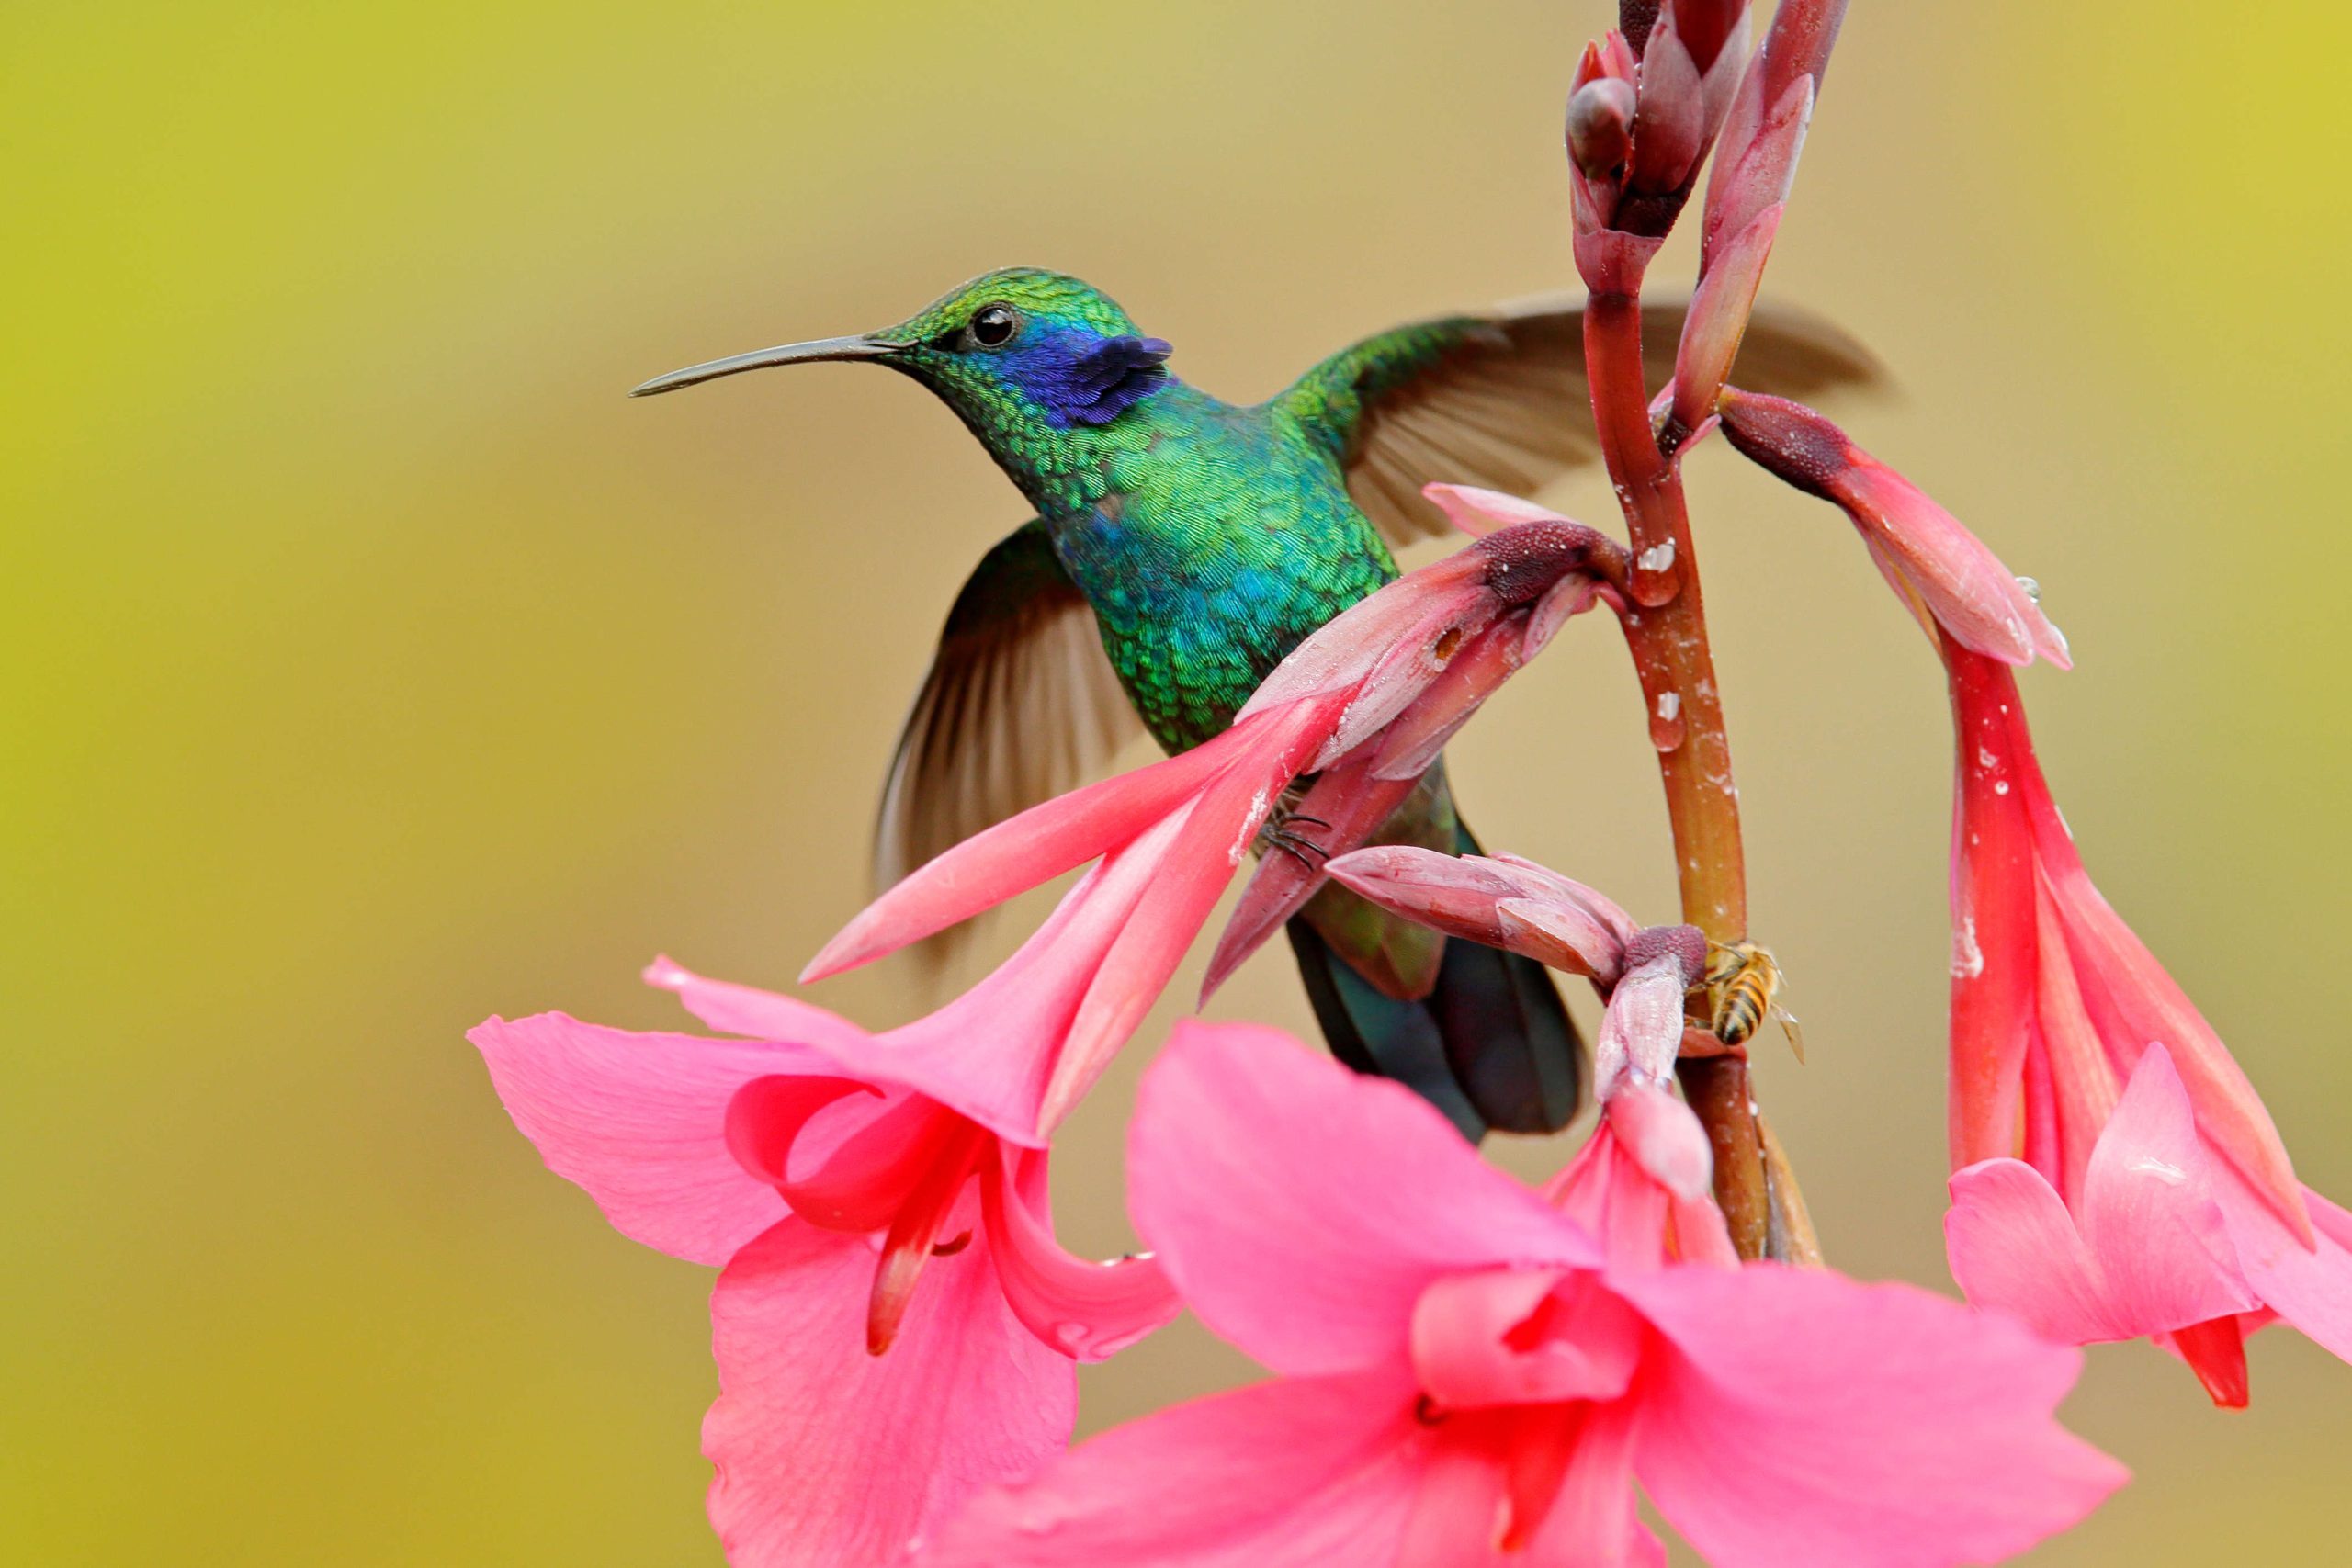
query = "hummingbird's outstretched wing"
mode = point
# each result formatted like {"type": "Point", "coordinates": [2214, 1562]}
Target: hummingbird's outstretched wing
{"type": "Point", "coordinates": [1021, 704]}
{"type": "Point", "coordinates": [1502, 401]}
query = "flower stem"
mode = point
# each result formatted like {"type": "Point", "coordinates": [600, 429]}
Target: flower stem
{"type": "Point", "coordinates": [1665, 625]}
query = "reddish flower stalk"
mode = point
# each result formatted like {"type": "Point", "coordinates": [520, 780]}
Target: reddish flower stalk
{"type": "Point", "coordinates": [1673, 91]}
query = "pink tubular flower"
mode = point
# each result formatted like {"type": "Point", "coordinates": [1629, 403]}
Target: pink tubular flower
{"type": "Point", "coordinates": [853, 1215]}
{"type": "Point", "coordinates": [1934, 564]}
{"type": "Point", "coordinates": [1368, 702]}
{"type": "Point", "coordinates": [1466, 1375]}
{"type": "Point", "coordinates": [2153, 1197]}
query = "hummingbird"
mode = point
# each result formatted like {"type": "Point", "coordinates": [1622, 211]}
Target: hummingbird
{"type": "Point", "coordinates": [1182, 545]}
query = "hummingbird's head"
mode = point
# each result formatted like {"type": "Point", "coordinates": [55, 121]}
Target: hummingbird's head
{"type": "Point", "coordinates": [1016, 352]}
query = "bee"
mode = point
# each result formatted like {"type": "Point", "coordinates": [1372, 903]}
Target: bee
{"type": "Point", "coordinates": [1743, 988]}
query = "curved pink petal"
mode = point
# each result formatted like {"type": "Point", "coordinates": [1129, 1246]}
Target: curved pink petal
{"type": "Point", "coordinates": [1190, 875]}
{"type": "Point", "coordinates": [1608, 1193]}
{"type": "Point", "coordinates": [2148, 1209]}
{"type": "Point", "coordinates": [1496, 900]}
{"type": "Point", "coordinates": [761, 1015]}
{"type": "Point", "coordinates": [1718, 316]}
{"type": "Point", "coordinates": [1089, 1311]}
{"type": "Point", "coordinates": [1665, 1138]}
{"type": "Point", "coordinates": [1971, 592]}
{"type": "Point", "coordinates": [1591, 1522]}
{"type": "Point", "coordinates": [1522, 1336]}
{"type": "Point", "coordinates": [1801, 1420]}
{"type": "Point", "coordinates": [1480, 512]}
{"type": "Point", "coordinates": [2014, 1248]}
{"type": "Point", "coordinates": [1023, 852]}
{"type": "Point", "coordinates": [1291, 1474]}
{"type": "Point", "coordinates": [831, 1458]}
{"type": "Point", "coordinates": [1302, 1209]}
{"type": "Point", "coordinates": [640, 1122]}
{"type": "Point", "coordinates": [2309, 1286]}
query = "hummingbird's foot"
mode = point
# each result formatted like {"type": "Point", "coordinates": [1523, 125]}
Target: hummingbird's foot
{"type": "Point", "coordinates": [1279, 833]}
{"type": "Point", "coordinates": [1305, 850]}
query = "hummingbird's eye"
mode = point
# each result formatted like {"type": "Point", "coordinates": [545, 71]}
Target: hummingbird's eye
{"type": "Point", "coordinates": [993, 325]}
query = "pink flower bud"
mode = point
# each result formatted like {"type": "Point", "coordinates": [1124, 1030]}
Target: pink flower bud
{"type": "Point", "coordinates": [1601, 127]}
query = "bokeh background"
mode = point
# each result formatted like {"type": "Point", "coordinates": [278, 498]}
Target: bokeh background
{"type": "Point", "coordinates": [371, 665]}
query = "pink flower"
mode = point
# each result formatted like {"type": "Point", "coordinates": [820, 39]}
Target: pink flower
{"type": "Point", "coordinates": [1936, 565]}
{"type": "Point", "coordinates": [1368, 701]}
{"type": "Point", "coordinates": [853, 1215]}
{"type": "Point", "coordinates": [2154, 1196]}
{"type": "Point", "coordinates": [1465, 1375]}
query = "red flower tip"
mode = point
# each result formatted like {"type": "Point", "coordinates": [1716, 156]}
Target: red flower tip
{"type": "Point", "coordinates": [2215, 1351]}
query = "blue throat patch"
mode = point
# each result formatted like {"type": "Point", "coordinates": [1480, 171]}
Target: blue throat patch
{"type": "Point", "coordinates": [1082, 378]}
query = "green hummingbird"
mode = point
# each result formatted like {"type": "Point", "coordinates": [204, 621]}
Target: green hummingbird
{"type": "Point", "coordinates": [1182, 545]}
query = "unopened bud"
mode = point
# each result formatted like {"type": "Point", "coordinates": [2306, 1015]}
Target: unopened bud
{"type": "Point", "coordinates": [1601, 127]}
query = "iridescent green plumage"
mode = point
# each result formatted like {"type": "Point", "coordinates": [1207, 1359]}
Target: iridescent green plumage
{"type": "Point", "coordinates": [1195, 542]}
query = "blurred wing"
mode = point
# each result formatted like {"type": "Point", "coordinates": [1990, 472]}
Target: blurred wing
{"type": "Point", "coordinates": [1502, 401]}
{"type": "Point", "coordinates": [1021, 704]}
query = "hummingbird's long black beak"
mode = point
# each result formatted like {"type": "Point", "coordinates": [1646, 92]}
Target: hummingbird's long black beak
{"type": "Point", "coordinates": [761, 359]}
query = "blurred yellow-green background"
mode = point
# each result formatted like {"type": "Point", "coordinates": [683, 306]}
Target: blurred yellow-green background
{"type": "Point", "coordinates": [372, 665]}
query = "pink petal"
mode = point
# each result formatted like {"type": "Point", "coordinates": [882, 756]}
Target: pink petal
{"type": "Point", "coordinates": [1291, 1473]}
{"type": "Point", "coordinates": [1024, 852]}
{"type": "Point", "coordinates": [1607, 1193]}
{"type": "Point", "coordinates": [1975, 597]}
{"type": "Point", "coordinates": [1670, 125]}
{"type": "Point", "coordinates": [1522, 1336]}
{"type": "Point", "coordinates": [1664, 1138]}
{"type": "Point", "coordinates": [1718, 318]}
{"type": "Point", "coordinates": [1591, 1522]}
{"type": "Point", "coordinates": [2148, 1209]}
{"type": "Point", "coordinates": [2014, 1248]}
{"type": "Point", "coordinates": [2310, 1286]}
{"type": "Point", "coordinates": [1801, 1420]}
{"type": "Point", "coordinates": [1481, 511]}
{"type": "Point", "coordinates": [1192, 875]}
{"type": "Point", "coordinates": [1926, 552]}
{"type": "Point", "coordinates": [761, 1015]}
{"type": "Point", "coordinates": [827, 1455]}
{"type": "Point", "coordinates": [1090, 1311]}
{"type": "Point", "coordinates": [1302, 1209]}
{"type": "Point", "coordinates": [640, 1122]}
{"type": "Point", "coordinates": [1461, 1505]}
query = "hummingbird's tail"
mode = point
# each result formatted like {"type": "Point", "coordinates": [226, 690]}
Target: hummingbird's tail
{"type": "Point", "coordinates": [1491, 1045]}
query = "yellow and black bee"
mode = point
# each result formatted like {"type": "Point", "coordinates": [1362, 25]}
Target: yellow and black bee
{"type": "Point", "coordinates": [1743, 988]}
